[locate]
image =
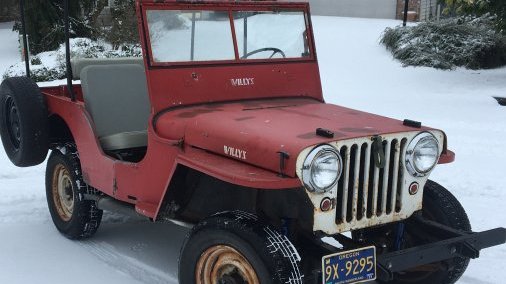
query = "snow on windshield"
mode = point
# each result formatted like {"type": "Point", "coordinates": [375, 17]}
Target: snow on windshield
{"type": "Point", "coordinates": [185, 36]}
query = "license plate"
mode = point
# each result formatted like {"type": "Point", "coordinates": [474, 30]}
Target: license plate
{"type": "Point", "coordinates": [353, 266]}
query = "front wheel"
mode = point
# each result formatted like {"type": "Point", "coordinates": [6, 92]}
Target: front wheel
{"type": "Point", "coordinates": [236, 248]}
{"type": "Point", "coordinates": [439, 205]}
{"type": "Point", "coordinates": [73, 216]}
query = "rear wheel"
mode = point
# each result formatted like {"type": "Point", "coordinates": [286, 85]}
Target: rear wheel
{"type": "Point", "coordinates": [23, 121]}
{"type": "Point", "coordinates": [72, 215]}
{"type": "Point", "coordinates": [236, 248]}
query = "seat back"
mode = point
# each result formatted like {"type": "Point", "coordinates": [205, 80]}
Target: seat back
{"type": "Point", "coordinates": [79, 64]}
{"type": "Point", "coordinates": [116, 96]}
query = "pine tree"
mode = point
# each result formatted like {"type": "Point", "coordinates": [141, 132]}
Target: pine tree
{"type": "Point", "coordinates": [45, 21]}
{"type": "Point", "coordinates": [42, 27]}
{"type": "Point", "coordinates": [124, 24]}
{"type": "Point", "coordinates": [498, 7]}
{"type": "Point", "coordinates": [8, 10]}
{"type": "Point", "coordinates": [478, 8]}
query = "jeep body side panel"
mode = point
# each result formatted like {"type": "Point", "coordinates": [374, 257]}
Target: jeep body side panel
{"type": "Point", "coordinates": [96, 166]}
{"type": "Point", "coordinates": [145, 183]}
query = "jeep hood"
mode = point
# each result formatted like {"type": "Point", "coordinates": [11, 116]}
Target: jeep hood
{"type": "Point", "coordinates": [255, 132]}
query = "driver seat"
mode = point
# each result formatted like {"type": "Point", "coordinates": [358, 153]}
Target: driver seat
{"type": "Point", "coordinates": [116, 96]}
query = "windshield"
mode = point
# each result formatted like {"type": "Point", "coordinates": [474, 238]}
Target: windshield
{"type": "Point", "coordinates": [263, 35]}
{"type": "Point", "coordinates": [197, 35]}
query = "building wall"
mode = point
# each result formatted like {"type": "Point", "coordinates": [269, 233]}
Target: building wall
{"type": "Point", "coordinates": [385, 9]}
{"type": "Point", "coordinates": [413, 9]}
{"type": "Point", "coordinates": [429, 10]}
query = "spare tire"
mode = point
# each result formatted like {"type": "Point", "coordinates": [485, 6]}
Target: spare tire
{"type": "Point", "coordinates": [23, 121]}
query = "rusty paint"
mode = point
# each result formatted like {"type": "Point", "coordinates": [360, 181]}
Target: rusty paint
{"type": "Point", "coordinates": [268, 107]}
{"type": "Point", "coordinates": [312, 135]}
{"type": "Point", "coordinates": [221, 261]}
{"type": "Point", "coordinates": [303, 113]}
{"type": "Point", "coordinates": [213, 105]}
{"type": "Point", "coordinates": [358, 130]}
{"type": "Point", "coordinates": [60, 184]}
{"type": "Point", "coordinates": [353, 113]}
{"type": "Point", "coordinates": [309, 135]}
{"type": "Point", "coordinates": [244, 118]}
{"type": "Point", "coordinates": [196, 112]}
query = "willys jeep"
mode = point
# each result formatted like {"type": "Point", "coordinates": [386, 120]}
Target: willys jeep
{"type": "Point", "coordinates": [222, 126]}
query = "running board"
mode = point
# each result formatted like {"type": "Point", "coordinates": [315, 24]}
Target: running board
{"type": "Point", "coordinates": [107, 203]}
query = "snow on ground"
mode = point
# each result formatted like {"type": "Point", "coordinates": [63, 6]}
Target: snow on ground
{"type": "Point", "coordinates": [356, 72]}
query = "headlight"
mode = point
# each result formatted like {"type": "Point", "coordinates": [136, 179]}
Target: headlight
{"type": "Point", "coordinates": [422, 154]}
{"type": "Point", "coordinates": [322, 168]}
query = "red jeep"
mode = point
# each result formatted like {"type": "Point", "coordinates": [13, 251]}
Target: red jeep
{"type": "Point", "coordinates": [222, 126]}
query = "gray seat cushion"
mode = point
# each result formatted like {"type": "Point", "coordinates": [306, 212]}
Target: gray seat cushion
{"type": "Point", "coordinates": [125, 140]}
{"type": "Point", "coordinates": [80, 63]}
{"type": "Point", "coordinates": [116, 96]}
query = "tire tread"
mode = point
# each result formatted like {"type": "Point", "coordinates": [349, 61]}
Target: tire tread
{"type": "Point", "coordinates": [87, 221]}
{"type": "Point", "coordinates": [34, 125]}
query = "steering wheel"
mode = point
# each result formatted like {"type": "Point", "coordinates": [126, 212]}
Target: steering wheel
{"type": "Point", "coordinates": [273, 49]}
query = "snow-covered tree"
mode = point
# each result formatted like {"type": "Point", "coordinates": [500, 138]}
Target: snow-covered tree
{"type": "Point", "coordinates": [124, 23]}
{"type": "Point", "coordinates": [45, 22]}
{"type": "Point", "coordinates": [8, 10]}
{"type": "Point", "coordinates": [478, 8]}
{"type": "Point", "coordinates": [498, 7]}
{"type": "Point", "coordinates": [456, 42]}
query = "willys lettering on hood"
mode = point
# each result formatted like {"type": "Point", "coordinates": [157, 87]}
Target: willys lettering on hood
{"type": "Point", "coordinates": [256, 132]}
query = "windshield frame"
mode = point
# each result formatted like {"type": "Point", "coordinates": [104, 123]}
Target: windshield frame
{"type": "Point", "coordinates": [230, 8]}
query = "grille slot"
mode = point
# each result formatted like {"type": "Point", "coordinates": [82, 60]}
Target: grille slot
{"type": "Point", "coordinates": [364, 190]}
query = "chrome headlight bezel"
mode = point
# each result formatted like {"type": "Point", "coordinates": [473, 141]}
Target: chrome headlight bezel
{"type": "Point", "coordinates": [308, 167]}
{"type": "Point", "coordinates": [410, 150]}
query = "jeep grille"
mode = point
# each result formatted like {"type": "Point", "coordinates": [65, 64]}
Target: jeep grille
{"type": "Point", "coordinates": [364, 190]}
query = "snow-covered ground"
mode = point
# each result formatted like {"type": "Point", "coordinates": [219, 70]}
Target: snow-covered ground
{"type": "Point", "coordinates": [356, 72]}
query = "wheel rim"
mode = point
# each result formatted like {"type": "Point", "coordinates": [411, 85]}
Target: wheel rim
{"type": "Point", "coordinates": [222, 264]}
{"type": "Point", "coordinates": [63, 192]}
{"type": "Point", "coordinates": [13, 122]}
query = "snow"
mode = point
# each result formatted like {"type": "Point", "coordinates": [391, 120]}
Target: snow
{"type": "Point", "coordinates": [463, 41]}
{"type": "Point", "coordinates": [356, 72]}
{"type": "Point", "coordinates": [50, 65]}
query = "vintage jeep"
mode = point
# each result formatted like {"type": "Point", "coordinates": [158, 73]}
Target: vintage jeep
{"type": "Point", "coordinates": [222, 126]}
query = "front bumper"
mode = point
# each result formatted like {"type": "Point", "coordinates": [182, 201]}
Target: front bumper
{"type": "Point", "coordinates": [448, 243]}
{"type": "Point", "coordinates": [452, 244]}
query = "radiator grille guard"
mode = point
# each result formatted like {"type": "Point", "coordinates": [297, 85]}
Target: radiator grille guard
{"type": "Point", "coordinates": [367, 195]}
